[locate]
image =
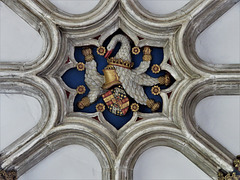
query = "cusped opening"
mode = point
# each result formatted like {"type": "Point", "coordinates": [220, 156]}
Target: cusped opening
{"type": "Point", "coordinates": [18, 114]}
{"type": "Point", "coordinates": [220, 42]}
{"type": "Point", "coordinates": [118, 79]}
{"type": "Point", "coordinates": [219, 117]}
{"type": "Point", "coordinates": [19, 42]}
{"type": "Point", "coordinates": [166, 163]}
{"type": "Point", "coordinates": [163, 6]}
{"type": "Point", "coordinates": [75, 6]}
{"type": "Point", "coordinates": [70, 162]}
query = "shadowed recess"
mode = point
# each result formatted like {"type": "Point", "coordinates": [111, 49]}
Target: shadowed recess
{"type": "Point", "coordinates": [73, 78]}
{"type": "Point", "coordinates": [19, 42]}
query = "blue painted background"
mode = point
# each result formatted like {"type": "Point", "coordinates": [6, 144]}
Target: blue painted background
{"type": "Point", "coordinates": [73, 78]}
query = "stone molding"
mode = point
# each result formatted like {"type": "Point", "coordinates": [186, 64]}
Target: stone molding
{"type": "Point", "coordinates": [118, 150]}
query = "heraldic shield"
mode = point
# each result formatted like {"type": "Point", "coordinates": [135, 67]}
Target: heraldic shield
{"type": "Point", "coordinates": [117, 101]}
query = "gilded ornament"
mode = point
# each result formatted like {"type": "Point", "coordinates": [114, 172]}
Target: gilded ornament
{"type": "Point", "coordinates": [155, 90]}
{"type": "Point", "coordinates": [119, 72]}
{"type": "Point", "coordinates": [161, 80]}
{"type": "Point", "coordinates": [228, 176]}
{"type": "Point", "coordinates": [8, 175]}
{"type": "Point", "coordinates": [134, 107]}
{"type": "Point", "coordinates": [222, 175]}
{"type": "Point", "coordinates": [155, 107]}
{"type": "Point", "coordinates": [167, 79]}
{"type": "Point", "coordinates": [111, 77]}
{"type": "Point", "coordinates": [80, 66]}
{"type": "Point", "coordinates": [135, 50]}
{"type": "Point", "coordinates": [156, 68]}
{"type": "Point", "coordinates": [87, 52]}
{"type": "Point", "coordinates": [120, 62]}
{"type": "Point", "coordinates": [89, 58]}
{"type": "Point", "coordinates": [147, 53]}
{"type": "Point", "coordinates": [164, 80]}
{"type": "Point", "coordinates": [147, 50]}
{"type": "Point", "coordinates": [83, 103]}
{"type": "Point", "coordinates": [101, 50]}
{"type": "Point", "coordinates": [236, 163]}
{"type": "Point", "coordinates": [81, 89]}
{"type": "Point", "coordinates": [147, 57]}
{"type": "Point", "coordinates": [152, 105]}
{"type": "Point", "coordinates": [100, 107]}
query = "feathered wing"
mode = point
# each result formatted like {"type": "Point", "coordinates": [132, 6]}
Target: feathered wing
{"type": "Point", "coordinates": [132, 88]}
{"type": "Point", "coordinates": [146, 80]}
{"type": "Point", "coordinates": [141, 78]}
{"type": "Point", "coordinates": [93, 80]}
{"type": "Point", "coordinates": [142, 68]}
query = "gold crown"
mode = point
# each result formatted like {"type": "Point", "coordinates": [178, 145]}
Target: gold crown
{"type": "Point", "coordinates": [120, 62]}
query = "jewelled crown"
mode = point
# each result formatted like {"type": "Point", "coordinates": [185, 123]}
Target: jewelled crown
{"type": "Point", "coordinates": [120, 62]}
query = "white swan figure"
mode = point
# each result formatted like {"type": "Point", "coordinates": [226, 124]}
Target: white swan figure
{"type": "Point", "coordinates": [132, 80]}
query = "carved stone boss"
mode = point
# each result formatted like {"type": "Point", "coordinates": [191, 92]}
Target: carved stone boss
{"type": "Point", "coordinates": [117, 150]}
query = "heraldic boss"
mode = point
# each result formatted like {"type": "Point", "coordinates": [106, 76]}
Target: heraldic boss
{"type": "Point", "coordinates": [118, 79]}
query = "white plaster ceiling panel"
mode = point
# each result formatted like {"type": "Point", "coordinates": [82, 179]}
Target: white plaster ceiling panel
{"type": "Point", "coordinates": [19, 41]}
{"type": "Point", "coordinates": [161, 7]}
{"type": "Point", "coordinates": [75, 6]}
{"type": "Point", "coordinates": [220, 42]}
{"type": "Point", "coordinates": [166, 163]}
{"type": "Point", "coordinates": [118, 151]}
{"type": "Point", "coordinates": [18, 114]}
{"type": "Point", "coordinates": [219, 116]}
{"type": "Point", "coordinates": [71, 162]}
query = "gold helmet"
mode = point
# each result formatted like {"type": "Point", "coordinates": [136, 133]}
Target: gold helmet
{"type": "Point", "coordinates": [110, 76]}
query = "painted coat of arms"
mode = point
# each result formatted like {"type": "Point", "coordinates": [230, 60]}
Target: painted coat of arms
{"type": "Point", "coordinates": [120, 78]}
{"type": "Point", "coordinates": [117, 101]}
